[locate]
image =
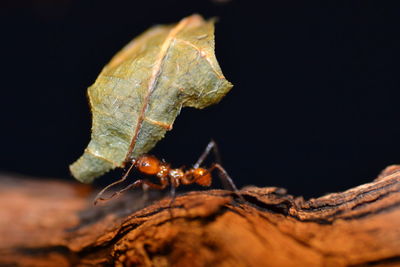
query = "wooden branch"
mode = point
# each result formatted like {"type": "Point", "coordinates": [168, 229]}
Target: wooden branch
{"type": "Point", "coordinates": [53, 223]}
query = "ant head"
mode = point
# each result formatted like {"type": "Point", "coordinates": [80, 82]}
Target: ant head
{"type": "Point", "coordinates": [202, 176]}
{"type": "Point", "coordinates": [149, 165]}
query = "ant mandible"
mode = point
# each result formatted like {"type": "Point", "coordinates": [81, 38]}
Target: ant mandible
{"type": "Point", "coordinates": [150, 165]}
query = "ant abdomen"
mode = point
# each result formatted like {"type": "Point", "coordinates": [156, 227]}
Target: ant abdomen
{"type": "Point", "coordinates": [199, 176]}
{"type": "Point", "coordinates": [202, 176]}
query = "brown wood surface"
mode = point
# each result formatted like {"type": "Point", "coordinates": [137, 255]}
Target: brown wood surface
{"type": "Point", "coordinates": [54, 223]}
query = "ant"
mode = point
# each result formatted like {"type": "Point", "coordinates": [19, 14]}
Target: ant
{"type": "Point", "coordinates": [150, 165]}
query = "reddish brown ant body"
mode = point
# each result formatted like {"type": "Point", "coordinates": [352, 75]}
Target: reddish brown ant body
{"type": "Point", "coordinates": [150, 165]}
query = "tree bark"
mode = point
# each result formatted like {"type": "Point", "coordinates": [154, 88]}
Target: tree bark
{"type": "Point", "coordinates": [54, 223]}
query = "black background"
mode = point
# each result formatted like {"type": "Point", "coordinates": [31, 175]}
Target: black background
{"type": "Point", "coordinates": [314, 109]}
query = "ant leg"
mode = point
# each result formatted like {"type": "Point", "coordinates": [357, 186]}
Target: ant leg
{"type": "Point", "coordinates": [133, 185]}
{"type": "Point", "coordinates": [145, 190]}
{"type": "Point", "coordinates": [173, 196]}
{"type": "Point", "coordinates": [224, 176]}
{"type": "Point", "coordinates": [98, 196]}
{"type": "Point", "coordinates": [211, 145]}
{"type": "Point", "coordinates": [226, 183]}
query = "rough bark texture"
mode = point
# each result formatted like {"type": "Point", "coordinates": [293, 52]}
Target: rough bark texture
{"type": "Point", "coordinates": [49, 223]}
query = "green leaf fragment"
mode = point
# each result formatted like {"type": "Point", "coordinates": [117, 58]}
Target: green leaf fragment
{"type": "Point", "coordinates": [138, 95]}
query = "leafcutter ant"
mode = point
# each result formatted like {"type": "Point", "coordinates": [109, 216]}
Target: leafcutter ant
{"type": "Point", "coordinates": [150, 165]}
